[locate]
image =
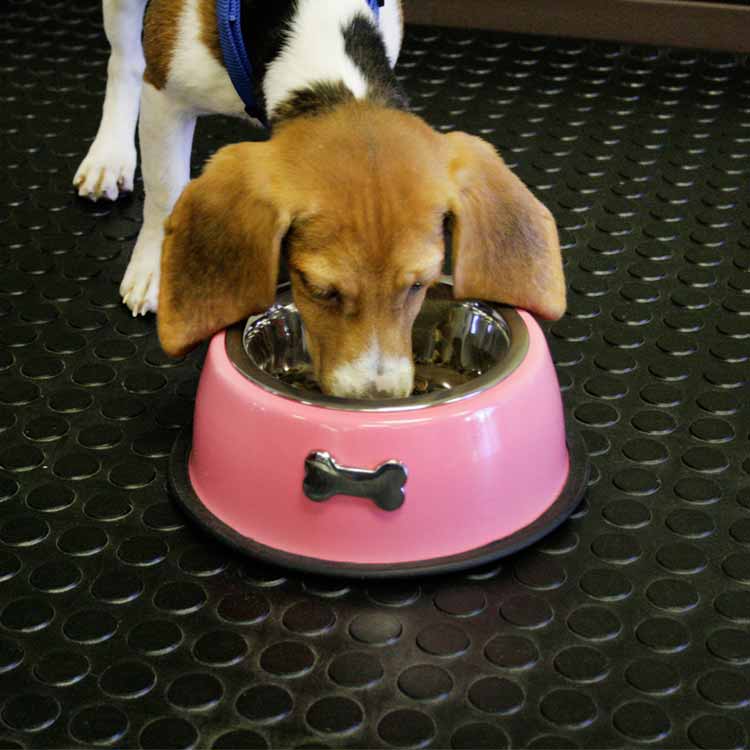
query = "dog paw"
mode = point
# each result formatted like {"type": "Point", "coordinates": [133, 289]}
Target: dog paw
{"type": "Point", "coordinates": [107, 171]}
{"type": "Point", "coordinates": [140, 285]}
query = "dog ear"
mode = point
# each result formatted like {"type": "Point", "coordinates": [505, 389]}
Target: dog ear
{"type": "Point", "coordinates": [222, 246]}
{"type": "Point", "coordinates": [505, 242]}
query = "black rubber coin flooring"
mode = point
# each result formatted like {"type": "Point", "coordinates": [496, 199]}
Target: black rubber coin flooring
{"type": "Point", "coordinates": [121, 624]}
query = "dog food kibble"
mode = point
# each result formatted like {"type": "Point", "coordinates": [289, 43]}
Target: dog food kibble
{"type": "Point", "coordinates": [301, 380]}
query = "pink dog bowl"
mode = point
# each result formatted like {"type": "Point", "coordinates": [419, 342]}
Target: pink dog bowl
{"type": "Point", "coordinates": [477, 467]}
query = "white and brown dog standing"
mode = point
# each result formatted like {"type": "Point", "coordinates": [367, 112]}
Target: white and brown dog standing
{"type": "Point", "coordinates": [352, 188]}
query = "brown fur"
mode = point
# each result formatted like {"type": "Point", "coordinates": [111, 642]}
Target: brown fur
{"type": "Point", "coordinates": [505, 242]}
{"type": "Point", "coordinates": [160, 30]}
{"type": "Point", "coordinates": [220, 258]}
{"type": "Point", "coordinates": [362, 191]}
{"type": "Point", "coordinates": [159, 39]}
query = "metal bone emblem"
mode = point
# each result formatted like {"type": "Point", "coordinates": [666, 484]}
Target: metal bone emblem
{"type": "Point", "coordinates": [324, 478]}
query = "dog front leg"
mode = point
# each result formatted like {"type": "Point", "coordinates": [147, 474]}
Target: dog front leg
{"type": "Point", "coordinates": [109, 166]}
{"type": "Point", "coordinates": [165, 133]}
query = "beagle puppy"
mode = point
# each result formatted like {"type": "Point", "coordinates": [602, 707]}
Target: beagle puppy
{"type": "Point", "coordinates": [351, 188]}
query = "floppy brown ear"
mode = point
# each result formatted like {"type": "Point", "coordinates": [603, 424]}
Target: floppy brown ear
{"type": "Point", "coordinates": [505, 242]}
{"type": "Point", "coordinates": [220, 257]}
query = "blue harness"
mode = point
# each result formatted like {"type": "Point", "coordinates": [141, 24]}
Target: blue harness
{"type": "Point", "coordinates": [228, 14]}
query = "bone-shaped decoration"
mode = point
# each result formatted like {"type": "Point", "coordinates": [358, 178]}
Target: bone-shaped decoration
{"type": "Point", "coordinates": [324, 479]}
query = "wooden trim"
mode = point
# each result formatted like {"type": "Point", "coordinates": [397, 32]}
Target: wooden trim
{"type": "Point", "coordinates": [718, 26]}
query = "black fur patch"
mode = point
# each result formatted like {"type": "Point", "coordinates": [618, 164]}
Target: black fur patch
{"type": "Point", "coordinates": [265, 24]}
{"type": "Point", "coordinates": [366, 48]}
{"type": "Point", "coordinates": [316, 99]}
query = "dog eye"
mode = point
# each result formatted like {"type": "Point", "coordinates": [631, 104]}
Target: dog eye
{"type": "Point", "coordinates": [320, 295]}
{"type": "Point", "coordinates": [416, 287]}
{"type": "Point", "coordinates": [325, 295]}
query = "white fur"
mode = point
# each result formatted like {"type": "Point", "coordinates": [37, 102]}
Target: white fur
{"type": "Point", "coordinates": [392, 29]}
{"type": "Point", "coordinates": [373, 374]}
{"type": "Point", "coordinates": [166, 136]}
{"type": "Point", "coordinates": [109, 166]}
{"type": "Point", "coordinates": [195, 77]}
{"type": "Point", "coordinates": [314, 51]}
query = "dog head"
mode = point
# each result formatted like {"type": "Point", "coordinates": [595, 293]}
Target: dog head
{"type": "Point", "coordinates": [357, 199]}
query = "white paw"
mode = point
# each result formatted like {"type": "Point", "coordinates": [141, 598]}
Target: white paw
{"type": "Point", "coordinates": [107, 170]}
{"type": "Point", "coordinates": [140, 285]}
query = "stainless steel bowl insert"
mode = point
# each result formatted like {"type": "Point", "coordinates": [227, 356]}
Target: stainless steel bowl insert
{"type": "Point", "coordinates": [461, 347]}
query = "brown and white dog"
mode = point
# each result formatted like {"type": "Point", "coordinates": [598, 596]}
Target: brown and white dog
{"type": "Point", "coordinates": [352, 188]}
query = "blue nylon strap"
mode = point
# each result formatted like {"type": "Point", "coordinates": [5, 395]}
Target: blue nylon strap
{"type": "Point", "coordinates": [238, 66]}
{"type": "Point", "coordinates": [228, 14]}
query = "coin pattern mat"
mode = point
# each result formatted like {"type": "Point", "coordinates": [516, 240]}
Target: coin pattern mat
{"type": "Point", "coordinates": [121, 624]}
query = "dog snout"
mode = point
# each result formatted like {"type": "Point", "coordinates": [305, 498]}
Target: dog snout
{"type": "Point", "coordinates": [372, 377]}
{"type": "Point", "coordinates": [382, 387]}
